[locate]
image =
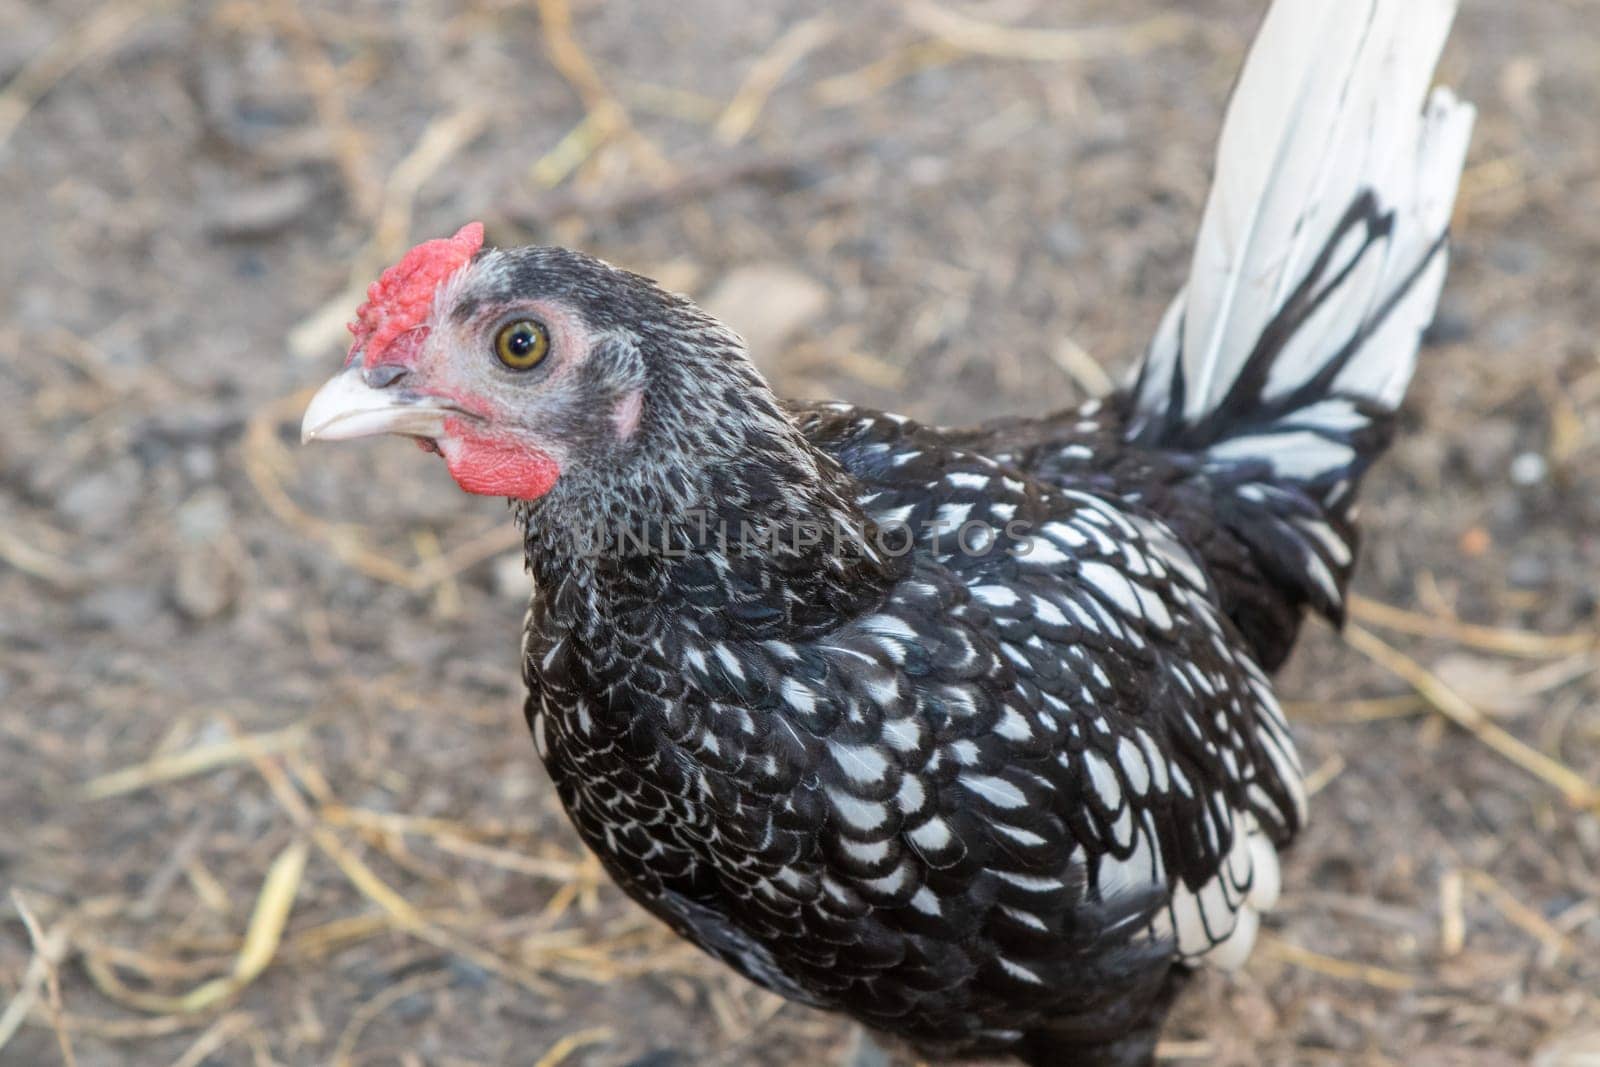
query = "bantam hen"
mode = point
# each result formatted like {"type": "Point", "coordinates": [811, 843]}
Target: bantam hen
{"type": "Point", "coordinates": [964, 733]}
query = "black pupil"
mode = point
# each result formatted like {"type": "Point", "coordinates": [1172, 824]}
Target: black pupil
{"type": "Point", "coordinates": [521, 341]}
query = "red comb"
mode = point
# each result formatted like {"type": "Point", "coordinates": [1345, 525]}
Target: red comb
{"type": "Point", "coordinates": [400, 299]}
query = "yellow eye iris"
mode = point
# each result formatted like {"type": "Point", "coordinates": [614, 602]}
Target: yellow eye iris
{"type": "Point", "coordinates": [523, 344]}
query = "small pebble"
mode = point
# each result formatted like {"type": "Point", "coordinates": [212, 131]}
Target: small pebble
{"type": "Point", "coordinates": [1527, 572]}
{"type": "Point", "coordinates": [928, 171]}
{"type": "Point", "coordinates": [205, 516]}
{"type": "Point", "coordinates": [1529, 469]}
{"type": "Point", "coordinates": [659, 1057]}
{"type": "Point", "coordinates": [767, 303]}
{"type": "Point", "coordinates": [203, 584]}
{"type": "Point", "coordinates": [260, 209]}
{"type": "Point", "coordinates": [464, 974]}
{"type": "Point", "coordinates": [102, 502]}
{"type": "Point", "coordinates": [200, 463]}
{"type": "Point", "coordinates": [1066, 239]}
{"type": "Point", "coordinates": [123, 608]}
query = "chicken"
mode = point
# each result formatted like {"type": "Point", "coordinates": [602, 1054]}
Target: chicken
{"type": "Point", "coordinates": [967, 733]}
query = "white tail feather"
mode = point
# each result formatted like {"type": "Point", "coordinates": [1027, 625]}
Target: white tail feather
{"type": "Point", "coordinates": [1321, 252]}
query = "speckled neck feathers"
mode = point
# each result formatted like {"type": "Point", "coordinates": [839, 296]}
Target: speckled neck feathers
{"type": "Point", "coordinates": [721, 509]}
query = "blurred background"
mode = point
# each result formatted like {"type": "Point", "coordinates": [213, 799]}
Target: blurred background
{"type": "Point", "coordinates": [265, 791]}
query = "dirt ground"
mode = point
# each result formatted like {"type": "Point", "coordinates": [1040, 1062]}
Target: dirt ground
{"type": "Point", "coordinates": [265, 790]}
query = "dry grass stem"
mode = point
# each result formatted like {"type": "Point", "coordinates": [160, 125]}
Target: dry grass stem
{"type": "Point", "coordinates": [609, 116]}
{"type": "Point", "coordinates": [399, 823]}
{"type": "Point", "coordinates": [345, 1048]}
{"type": "Point", "coordinates": [1376, 709]}
{"type": "Point", "coordinates": [564, 1048]}
{"type": "Point", "coordinates": [324, 328]}
{"type": "Point", "coordinates": [767, 72]}
{"type": "Point", "coordinates": [1452, 914]}
{"type": "Point", "coordinates": [846, 90]}
{"type": "Point", "coordinates": [49, 950]}
{"type": "Point", "coordinates": [1367, 974]}
{"type": "Point", "coordinates": [402, 914]}
{"type": "Point", "coordinates": [216, 1037]}
{"type": "Point", "coordinates": [85, 42]}
{"type": "Point", "coordinates": [1520, 915]}
{"type": "Point", "coordinates": [1007, 42]}
{"type": "Point", "coordinates": [262, 937]}
{"type": "Point", "coordinates": [1578, 792]}
{"type": "Point", "coordinates": [197, 760]}
{"type": "Point", "coordinates": [674, 102]}
{"type": "Point", "coordinates": [265, 456]}
{"type": "Point", "coordinates": [329, 93]}
{"type": "Point", "coordinates": [440, 142]}
{"type": "Point", "coordinates": [1084, 370]}
{"type": "Point", "coordinates": [574, 149]}
{"type": "Point", "coordinates": [30, 559]}
{"type": "Point", "coordinates": [1319, 779]}
{"type": "Point", "coordinates": [1506, 642]}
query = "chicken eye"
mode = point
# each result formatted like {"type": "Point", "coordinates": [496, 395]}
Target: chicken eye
{"type": "Point", "coordinates": [523, 344]}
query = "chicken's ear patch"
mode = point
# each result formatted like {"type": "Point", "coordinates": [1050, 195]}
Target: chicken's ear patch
{"type": "Point", "coordinates": [399, 301]}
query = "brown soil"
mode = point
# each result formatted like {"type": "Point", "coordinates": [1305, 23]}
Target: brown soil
{"type": "Point", "coordinates": [311, 654]}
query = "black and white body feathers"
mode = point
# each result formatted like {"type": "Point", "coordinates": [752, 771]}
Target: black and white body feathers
{"type": "Point", "coordinates": [989, 767]}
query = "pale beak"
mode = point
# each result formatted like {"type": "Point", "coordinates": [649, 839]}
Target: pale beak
{"type": "Point", "coordinates": [347, 407]}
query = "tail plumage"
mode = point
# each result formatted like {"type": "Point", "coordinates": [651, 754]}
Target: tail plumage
{"type": "Point", "coordinates": [1319, 263]}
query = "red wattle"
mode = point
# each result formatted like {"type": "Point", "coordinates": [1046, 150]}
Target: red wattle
{"type": "Point", "coordinates": [491, 466]}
